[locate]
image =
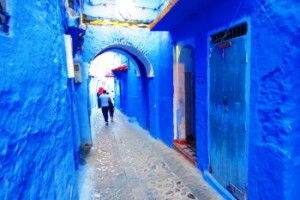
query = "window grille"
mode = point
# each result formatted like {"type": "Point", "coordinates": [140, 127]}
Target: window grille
{"type": "Point", "coordinates": [233, 32]}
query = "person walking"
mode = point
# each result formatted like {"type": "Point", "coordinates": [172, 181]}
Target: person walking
{"type": "Point", "coordinates": [104, 98]}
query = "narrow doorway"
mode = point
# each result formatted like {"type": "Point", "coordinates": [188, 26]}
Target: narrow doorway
{"type": "Point", "coordinates": [189, 86]}
{"type": "Point", "coordinates": [186, 131]}
{"type": "Point", "coordinates": [227, 109]}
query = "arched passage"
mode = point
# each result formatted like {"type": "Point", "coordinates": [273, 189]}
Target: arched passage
{"type": "Point", "coordinates": [130, 87]}
{"type": "Point", "coordinates": [151, 50]}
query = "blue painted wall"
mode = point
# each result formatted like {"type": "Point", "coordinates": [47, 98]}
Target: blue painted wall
{"type": "Point", "coordinates": [273, 53]}
{"type": "Point", "coordinates": [164, 61]}
{"type": "Point", "coordinates": [275, 100]}
{"type": "Point", "coordinates": [153, 47]}
{"type": "Point", "coordinates": [134, 92]}
{"type": "Point", "coordinates": [37, 150]}
{"type": "Point", "coordinates": [81, 97]}
{"type": "Point", "coordinates": [75, 124]}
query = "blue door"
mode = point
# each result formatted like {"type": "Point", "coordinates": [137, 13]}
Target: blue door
{"type": "Point", "coordinates": [227, 115]}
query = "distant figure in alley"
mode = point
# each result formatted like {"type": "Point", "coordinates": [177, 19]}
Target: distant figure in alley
{"type": "Point", "coordinates": [103, 103]}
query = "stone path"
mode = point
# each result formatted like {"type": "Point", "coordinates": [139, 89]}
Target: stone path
{"type": "Point", "coordinates": [126, 163]}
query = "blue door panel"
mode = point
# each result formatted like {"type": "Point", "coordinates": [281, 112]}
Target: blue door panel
{"type": "Point", "coordinates": [227, 115]}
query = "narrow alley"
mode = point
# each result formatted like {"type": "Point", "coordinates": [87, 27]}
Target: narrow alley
{"type": "Point", "coordinates": [207, 98]}
{"type": "Point", "coordinates": [125, 162]}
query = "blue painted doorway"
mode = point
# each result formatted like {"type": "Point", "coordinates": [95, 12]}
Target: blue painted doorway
{"type": "Point", "coordinates": [227, 114]}
{"type": "Point", "coordinates": [187, 57]}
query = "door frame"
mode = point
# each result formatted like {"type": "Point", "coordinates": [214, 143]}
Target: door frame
{"type": "Point", "coordinates": [210, 178]}
{"type": "Point", "coordinates": [179, 99]}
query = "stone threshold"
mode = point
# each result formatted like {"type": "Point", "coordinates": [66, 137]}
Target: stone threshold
{"type": "Point", "coordinates": [186, 150]}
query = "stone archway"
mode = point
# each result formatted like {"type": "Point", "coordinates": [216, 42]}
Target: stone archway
{"type": "Point", "coordinates": [139, 43]}
{"type": "Point", "coordinates": [133, 88]}
{"type": "Point", "coordinates": [152, 49]}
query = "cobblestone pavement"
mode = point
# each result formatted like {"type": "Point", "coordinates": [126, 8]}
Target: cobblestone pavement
{"type": "Point", "coordinates": [126, 163]}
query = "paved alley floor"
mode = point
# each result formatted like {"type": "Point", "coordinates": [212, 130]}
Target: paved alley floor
{"type": "Point", "coordinates": [126, 163]}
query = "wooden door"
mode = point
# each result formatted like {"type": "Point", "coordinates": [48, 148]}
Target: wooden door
{"type": "Point", "coordinates": [227, 115]}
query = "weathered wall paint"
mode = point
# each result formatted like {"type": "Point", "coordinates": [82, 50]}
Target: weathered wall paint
{"type": "Point", "coordinates": [36, 156]}
{"type": "Point", "coordinates": [136, 97]}
{"type": "Point", "coordinates": [274, 101]}
{"type": "Point", "coordinates": [274, 106]}
{"type": "Point", "coordinates": [153, 46]}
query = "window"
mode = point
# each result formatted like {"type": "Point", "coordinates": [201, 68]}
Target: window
{"type": "Point", "coordinates": [230, 33]}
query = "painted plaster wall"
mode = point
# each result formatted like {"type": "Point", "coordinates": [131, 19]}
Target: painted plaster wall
{"type": "Point", "coordinates": [36, 156]}
{"type": "Point", "coordinates": [274, 109]}
{"type": "Point", "coordinates": [150, 46]}
{"type": "Point", "coordinates": [275, 100]}
{"type": "Point", "coordinates": [136, 97]}
{"type": "Point", "coordinates": [164, 61]}
{"type": "Point", "coordinates": [83, 107]}
{"type": "Point", "coordinates": [75, 124]}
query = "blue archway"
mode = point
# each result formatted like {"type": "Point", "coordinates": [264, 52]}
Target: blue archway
{"type": "Point", "coordinates": [132, 88]}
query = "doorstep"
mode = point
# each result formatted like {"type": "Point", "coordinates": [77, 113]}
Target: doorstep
{"type": "Point", "coordinates": [186, 150]}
